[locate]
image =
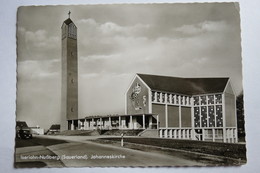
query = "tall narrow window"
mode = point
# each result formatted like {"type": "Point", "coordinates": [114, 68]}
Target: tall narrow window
{"type": "Point", "coordinates": [203, 100]}
{"type": "Point", "coordinates": [211, 99]}
{"type": "Point", "coordinates": [177, 99]}
{"type": "Point", "coordinates": [219, 116]}
{"type": "Point", "coordinates": [168, 98]}
{"type": "Point", "coordinates": [158, 96]}
{"type": "Point", "coordinates": [218, 98]}
{"type": "Point", "coordinates": [196, 100]}
{"type": "Point", "coordinates": [196, 116]}
{"type": "Point", "coordinates": [173, 98]}
{"type": "Point", "coordinates": [204, 116]}
{"type": "Point", "coordinates": [163, 97]}
{"type": "Point", "coordinates": [153, 96]}
{"type": "Point", "coordinates": [211, 116]}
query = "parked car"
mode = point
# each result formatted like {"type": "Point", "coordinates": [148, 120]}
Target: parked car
{"type": "Point", "coordinates": [25, 133]}
{"type": "Point", "coordinates": [22, 130]}
{"type": "Point", "coordinates": [54, 129]}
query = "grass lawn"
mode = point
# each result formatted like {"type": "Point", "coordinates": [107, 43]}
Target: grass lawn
{"type": "Point", "coordinates": [235, 151]}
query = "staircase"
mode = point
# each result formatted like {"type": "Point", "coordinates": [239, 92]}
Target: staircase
{"type": "Point", "coordinates": [149, 133]}
{"type": "Point", "coordinates": [117, 132]}
{"type": "Point", "coordinates": [79, 133]}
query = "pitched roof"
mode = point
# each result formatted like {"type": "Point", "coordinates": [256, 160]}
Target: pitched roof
{"type": "Point", "coordinates": [55, 126]}
{"type": "Point", "coordinates": [189, 86]}
{"type": "Point", "coordinates": [68, 21]}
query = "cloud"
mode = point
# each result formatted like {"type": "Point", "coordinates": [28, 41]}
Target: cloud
{"type": "Point", "coordinates": [37, 45]}
{"type": "Point", "coordinates": [32, 70]}
{"type": "Point", "coordinates": [204, 27]}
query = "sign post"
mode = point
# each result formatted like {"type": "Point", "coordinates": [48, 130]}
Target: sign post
{"type": "Point", "coordinates": [122, 140]}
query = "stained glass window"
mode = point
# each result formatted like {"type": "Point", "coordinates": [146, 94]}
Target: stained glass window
{"type": "Point", "coordinates": [211, 99]}
{"type": "Point", "coordinates": [218, 98]}
{"type": "Point", "coordinates": [219, 117]}
{"type": "Point", "coordinates": [211, 116]}
{"type": "Point", "coordinates": [203, 100]}
{"type": "Point", "coordinates": [204, 116]}
{"type": "Point", "coordinates": [197, 116]}
{"type": "Point", "coordinates": [196, 101]}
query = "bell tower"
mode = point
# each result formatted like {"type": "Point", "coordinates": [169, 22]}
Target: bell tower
{"type": "Point", "coordinates": [69, 72]}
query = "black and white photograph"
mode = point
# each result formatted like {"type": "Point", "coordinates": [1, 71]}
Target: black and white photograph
{"type": "Point", "coordinates": [129, 85]}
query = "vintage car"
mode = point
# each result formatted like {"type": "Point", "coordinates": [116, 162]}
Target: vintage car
{"type": "Point", "coordinates": [25, 133]}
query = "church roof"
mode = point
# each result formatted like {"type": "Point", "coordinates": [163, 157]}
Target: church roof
{"type": "Point", "coordinates": [189, 86]}
{"type": "Point", "coordinates": [68, 21]}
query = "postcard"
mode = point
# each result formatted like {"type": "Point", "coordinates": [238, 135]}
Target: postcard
{"type": "Point", "coordinates": [129, 85]}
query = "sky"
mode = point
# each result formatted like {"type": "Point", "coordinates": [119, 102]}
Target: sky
{"type": "Point", "coordinates": [114, 43]}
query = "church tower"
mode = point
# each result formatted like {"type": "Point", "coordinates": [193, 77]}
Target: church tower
{"type": "Point", "coordinates": [69, 85]}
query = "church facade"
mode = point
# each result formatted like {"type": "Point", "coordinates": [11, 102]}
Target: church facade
{"type": "Point", "coordinates": [180, 108]}
{"type": "Point", "coordinates": [187, 108]}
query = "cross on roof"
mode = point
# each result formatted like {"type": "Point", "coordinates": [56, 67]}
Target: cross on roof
{"type": "Point", "coordinates": [69, 14]}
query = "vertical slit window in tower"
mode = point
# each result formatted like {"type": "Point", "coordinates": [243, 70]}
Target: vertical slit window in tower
{"type": "Point", "coordinates": [211, 116]}
{"type": "Point", "coordinates": [204, 116]}
{"type": "Point", "coordinates": [69, 30]}
{"type": "Point", "coordinates": [219, 117]}
{"type": "Point", "coordinates": [153, 96]}
{"type": "Point", "coordinates": [196, 117]}
{"type": "Point", "coordinates": [196, 100]}
{"type": "Point", "coordinates": [211, 99]}
{"type": "Point", "coordinates": [218, 98]}
{"type": "Point", "coordinates": [63, 32]}
{"type": "Point", "coordinates": [203, 100]}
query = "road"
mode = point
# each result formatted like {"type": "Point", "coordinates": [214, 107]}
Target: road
{"type": "Point", "coordinates": [79, 151]}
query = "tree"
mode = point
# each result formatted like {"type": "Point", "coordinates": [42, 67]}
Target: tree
{"type": "Point", "coordinates": [240, 117]}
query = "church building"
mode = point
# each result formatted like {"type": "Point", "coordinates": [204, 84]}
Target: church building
{"type": "Point", "coordinates": [171, 107]}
